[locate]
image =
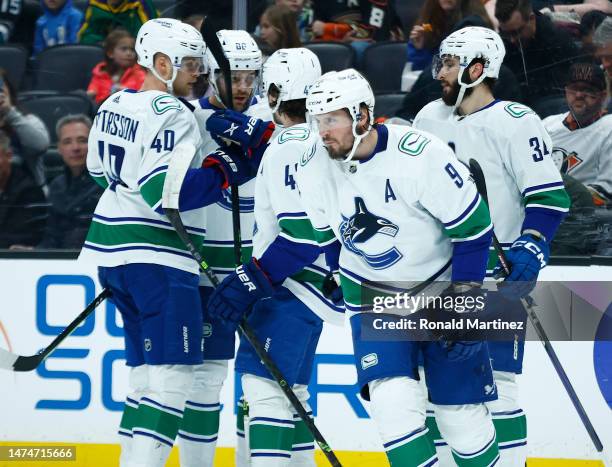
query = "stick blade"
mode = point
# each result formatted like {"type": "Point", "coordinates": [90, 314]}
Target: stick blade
{"type": "Point", "coordinates": [479, 179]}
{"type": "Point", "coordinates": [27, 363]}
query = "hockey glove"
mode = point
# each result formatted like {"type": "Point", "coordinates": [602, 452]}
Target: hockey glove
{"type": "Point", "coordinates": [526, 257]}
{"type": "Point", "coordinates": [249, 132]}
{"type": "Point", "coordinates": [466, 299]}
{"type": "Point", "coordinates": [239, 291]}
{"type": "Point", "coordinates": [332, 290]}
{"type": "Point", "coordinates": [233, 164]}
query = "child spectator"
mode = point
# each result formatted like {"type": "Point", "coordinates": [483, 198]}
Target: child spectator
{"type": "Point", "coordinates": [277, 27]}
{"type": "Point", "coordinates": [588, 24]}
{"type": "Point", "coordinates": [436, 20]}
{"type": "Point", "coordinates": [59, 24]}
{"type": "Point", "coordinates": [303, 16]}
{"type": "Point", "coordinates": [102, 16]}
{"type": "Point", "coordinates": [22, 202]}
{"type": "Point", "coordinates": [119, 69]}
{"type": "Point", "coordinates": [74, 194]}
{"type": "Point", "coordinates": [28, 135]}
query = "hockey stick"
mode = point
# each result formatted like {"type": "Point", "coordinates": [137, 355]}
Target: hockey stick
{"type": "Point", "coordinates": [170, 202]}
{"type": "Point", "coordinates": [209, 34]}
{"type": "Point", "coordinates": [528, 302]}
{"type": "Point", "coordinates": [13, 362]}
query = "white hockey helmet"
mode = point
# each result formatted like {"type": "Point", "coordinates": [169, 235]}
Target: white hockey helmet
{"type": "Point", "coordinates": [293, 72]}
{"type": "Point", "coordinates": [346, 89]}
{"type": "Point", "coordinates": [173, 38]}
{"type": "Point", "coordinates": [242, 54]}
{"type": "Point", "coordinates": [468, 44]}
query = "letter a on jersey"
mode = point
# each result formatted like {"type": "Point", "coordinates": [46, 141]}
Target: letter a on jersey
{"type": "Point", "coordinates": [362, 227]}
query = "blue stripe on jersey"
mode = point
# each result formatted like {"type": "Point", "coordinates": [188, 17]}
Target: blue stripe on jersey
{"type": "Point", "coordinates": [545, 221]}
{"type": "Point", "coordinates": [464, 213]}
{"type": "Point", "coordinates": [140, 247]}
{"type": "Point", "coordinates": [389, 288]}
{"type": "Point", "coordinates": [247, 203]}
{"type": "Point", "coordinates": [227, 242]}
{"type": "Point", "coordinates": [526, 191]}
{"type": "Point", "coordinates": [285, 215]}
{"type": "Point", "coordinates": [381, 144]}
{"type": "Point", "coordinates": [283, 258]}
{"type": "Point", "coordinates": [145, 220]}
{"type": "Point", "coordinates": [161, 168]}
{"type": "Point", "coordinates": [316, 293]}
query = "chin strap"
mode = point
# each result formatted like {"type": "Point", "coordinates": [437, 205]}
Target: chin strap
{"type": "Point", "coordinates": [168, 82]}
{"type": "Point", "coordinates": [358, 139]}
{"type": "Point", "coordinates": [464, 87]}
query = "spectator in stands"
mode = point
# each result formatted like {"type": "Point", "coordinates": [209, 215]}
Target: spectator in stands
{"type": "Point", "coordinates": [355, 22]}
{"type": "Point", "coordinates": [602, 39]}
{"type": "Point", "coordinates": [588, 24]}
{"type": "Point", "coordinates": [436, 20]}
{"type": "Point", "coordinates": [304, 17]}
{"type": "Point", "coordinates": [22, 202]}
{"type": "Point", "coordinates": [119, 69]}
{"type": "Point", "coordinates": [59, 24]}
{"type": "Point", "coordinates": [28, 134]}
{"type": "Point", "coordinates": [537, 52]}
{"type": "Point", "coordinates": [9, 15]}
{"type": "Point", "coordinates": [580, 8]}
{"type": "Point", "coordinates": [583, 136]}
{"type": "Point", "coordinates": [73, 195]}
{"type": "Point", "coordinates": [102, 16]}
{"type": "Point", "coordinates": [277, 27]}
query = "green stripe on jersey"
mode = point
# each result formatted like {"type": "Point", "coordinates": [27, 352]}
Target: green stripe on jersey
{"type": "Point", "coordinates": [299, 229]}
{"type": "Point", "coordinates": [554, 198]}
{"type": "Point", "coordinates": [314, 278]}
{"type": "Point", "coordinates": [357, 294]}
{"type": "Point", "coordinates": [101, 181]}
{"type": "Point", "coordinates": [474, 224]}
{"type": "Point", "coordinates": [201, 422]}
{"type": "Point", "coordinates": [152, 189]}
{"type": "Point", "coordinates": [124, 234]}
{"type": "Point", "coordinates": [510, 429]}
{"type": "Point", "coordinates": [324, 236]}
{"type": "Point", "coordinates": [218, 256]}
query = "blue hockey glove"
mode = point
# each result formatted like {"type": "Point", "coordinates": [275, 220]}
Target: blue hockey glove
{"type": "Point", "coordinates": [467, 299]}
{"type": "Point", "coordinates": [526, 257]}
{"type": "Point", "coordinates": [249, 132]}
{"type": "Point", "coordinates": [239, 291]}
{"type": "Point", "coordinates": [234, 165]}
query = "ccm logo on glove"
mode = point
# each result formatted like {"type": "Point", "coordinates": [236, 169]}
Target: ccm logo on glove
{"type": "Point", "coordinates": [533, 248]}
{"type": "Point", "coordinates": [245, 279]}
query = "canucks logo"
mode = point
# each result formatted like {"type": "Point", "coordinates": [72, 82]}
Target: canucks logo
{"type": "Point", "coordinates": [361, 227]}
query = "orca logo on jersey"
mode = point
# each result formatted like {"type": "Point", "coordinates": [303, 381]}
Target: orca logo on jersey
{"type": "Point", "coordinates": [361, 227]}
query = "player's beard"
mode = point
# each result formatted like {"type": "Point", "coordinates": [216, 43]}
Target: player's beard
{"type": "Point", "coordinates": [450, 97]}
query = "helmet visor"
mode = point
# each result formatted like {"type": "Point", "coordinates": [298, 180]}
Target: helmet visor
{"type": "Point", "coordinates": [332, 121]}
{"type": "Point", "coordinates": [443, 64]}
{"type": "Point", "coordinates": [193, 65]}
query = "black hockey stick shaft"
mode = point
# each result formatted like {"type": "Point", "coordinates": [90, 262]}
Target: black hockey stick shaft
{"type": "Point", "coordinates": [31, 362]}
{"type": "Point", "coordinates": [175, 219]}
{"type": "Point", "coordinates": [481, 186]}
{"type": "Point", "coordinates": [209, 34]}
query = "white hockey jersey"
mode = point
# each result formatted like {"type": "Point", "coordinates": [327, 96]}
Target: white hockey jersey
{"type": "Point", "coordinates": [130, 146]}
{"type": "Point", "coordinates": [279, 212]}
{"type": "Point", "coordinates": [511, 145]}
{"type": "Point", "coordinates": [584, 153]}
{"type": "Point", "coordinates": [396, 213]}
{"type": "Point", "coordinates": [218, 250]}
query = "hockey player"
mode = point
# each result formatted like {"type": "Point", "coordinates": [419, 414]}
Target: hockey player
{"type": "Point", "coordinates": [136, 139]}
{"type": "Point", "coordinates": [218, 125]}
{"type": "Point", "coordinates": [526, 194]}
{"type": "Point", "coordinates": [404, 209]}
{"type": "Point", "coordinates": [291, 321]}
